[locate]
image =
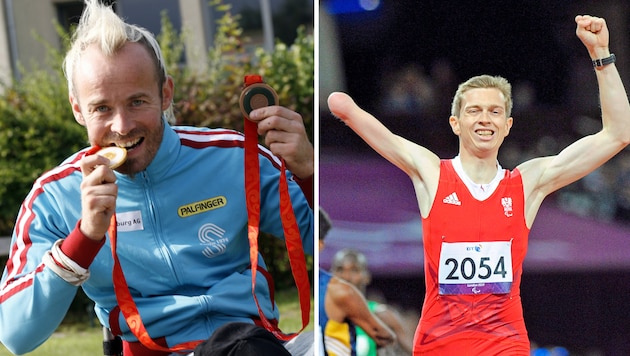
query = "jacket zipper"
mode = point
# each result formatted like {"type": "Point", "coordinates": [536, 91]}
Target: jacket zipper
{"type": "Point", "coordinates": [157, 228]}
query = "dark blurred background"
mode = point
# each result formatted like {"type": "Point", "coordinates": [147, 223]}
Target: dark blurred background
{"type": "Point", "coordinates": [402, 61]}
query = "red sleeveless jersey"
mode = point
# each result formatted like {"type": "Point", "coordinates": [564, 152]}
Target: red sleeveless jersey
{"type": "Point", "coordinates": [473, 258]}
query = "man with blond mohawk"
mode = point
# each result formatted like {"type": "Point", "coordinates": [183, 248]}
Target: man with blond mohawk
{"type": "Point", "coordinates": [178, 277]}
{"type": "Point", "coordinates": [476, 216]}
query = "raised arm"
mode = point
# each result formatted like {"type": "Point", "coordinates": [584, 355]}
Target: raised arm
{"type": "Point", "coordinates": [394, 148]}
{"type": "Point", "coordinates": [545, 175]}
{"type": "Point", "coordinates": [419, 163]}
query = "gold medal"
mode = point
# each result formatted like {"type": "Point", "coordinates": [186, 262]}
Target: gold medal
{"type": "Point", "coordinates": [115, 155]}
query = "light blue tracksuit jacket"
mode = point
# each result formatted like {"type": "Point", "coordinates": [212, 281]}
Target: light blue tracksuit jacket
{"type": "Point", "coordinates": [182, 243]}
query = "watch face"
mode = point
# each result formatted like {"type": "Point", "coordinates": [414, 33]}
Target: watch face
{"type": "Point", "coordinates": [256, 96]}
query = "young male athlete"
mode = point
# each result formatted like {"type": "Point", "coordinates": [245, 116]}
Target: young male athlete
{"type": "Point", "coordinates": [179, 201]}
{"type": "Point", "coordinates": [476, 216]}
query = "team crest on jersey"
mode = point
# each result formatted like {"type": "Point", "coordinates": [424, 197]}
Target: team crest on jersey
{"type": "Point", "coordinates": [201, 206]}
{"type": "Point", "coordinates": [507, 206]}
{"type": "Point", "coordinates": [211, 238]}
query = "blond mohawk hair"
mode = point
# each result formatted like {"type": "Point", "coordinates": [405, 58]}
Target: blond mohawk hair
{"type": "Point", "coordinates": [99, 25]}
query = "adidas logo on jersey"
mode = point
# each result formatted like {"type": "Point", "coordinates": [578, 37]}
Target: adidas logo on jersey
{"type": "Point", "coordinates": [452, 199]}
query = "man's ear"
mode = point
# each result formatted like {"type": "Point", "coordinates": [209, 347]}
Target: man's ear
{"type": "Point", "coordinates": [76, 110]}
{"type": "Point", "coordinates": [168, 91]}
{"type": "Point", "coordinates": [508, 124]}
{"type": "Point", "coordinates": [454, 122]}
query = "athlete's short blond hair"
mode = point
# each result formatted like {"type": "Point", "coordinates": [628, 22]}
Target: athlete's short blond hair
{"type": "Point", "coordinates": [483, 82]}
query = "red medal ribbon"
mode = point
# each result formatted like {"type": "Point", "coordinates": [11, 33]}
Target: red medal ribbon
{"type": "Point", "coordinates": [128, 307]}
{"type": "Point", "coordinates": [291, 229]}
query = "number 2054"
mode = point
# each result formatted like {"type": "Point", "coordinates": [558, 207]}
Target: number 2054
{"type": "Point", "coordinates": [468, 269]}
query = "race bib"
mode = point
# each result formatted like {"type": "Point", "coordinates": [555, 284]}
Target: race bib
{"type": "Point", "coordinates": [475, 267]}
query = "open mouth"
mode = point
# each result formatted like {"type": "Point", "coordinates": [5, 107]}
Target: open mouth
{"type": "Point", "coordinates": [130, 145]}
{"type": "Point", "coordinates": [485, 133]}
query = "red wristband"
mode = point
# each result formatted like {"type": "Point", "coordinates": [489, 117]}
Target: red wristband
{"type": "Point", "coordinates": [80, 248]}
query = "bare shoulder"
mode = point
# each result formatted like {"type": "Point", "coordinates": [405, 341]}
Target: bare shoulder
{"type": "Point", "coordinates": [535, 186]}
{"type": "Point", "coordinates": [341, 291]}
{"type": "Point", "coordinates": [532, 170]}
{"type": "Point", "coordinates": [425, 178]}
